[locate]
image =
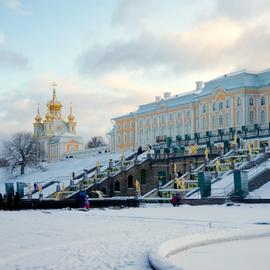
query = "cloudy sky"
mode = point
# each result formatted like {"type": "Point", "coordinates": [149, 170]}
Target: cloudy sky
{"type": "Point", "coordinates": [108, 56]}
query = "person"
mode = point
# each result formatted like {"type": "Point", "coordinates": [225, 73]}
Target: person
{"type": "Point", "coordinates": [73, 175]}
{"type": "Point", "coordinates": [173, 201]}
{"type": "Point", "coordinates": [35, 187]}
{"type": "Point", "coordinates": [17, 201]}
{"type": "Point", "coordinates": [178, 198]}
{"type": "Point", "coordinates": [10, 201]}
{"type": "Point", "coordinates": [1, 201]}
{"type": "Point", "coordinates": [86, 204]}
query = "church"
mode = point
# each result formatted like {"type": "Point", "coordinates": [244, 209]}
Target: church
{"type": "Point", "coordinates": [57, 137]}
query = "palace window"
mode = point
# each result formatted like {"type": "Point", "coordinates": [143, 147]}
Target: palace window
{"type": "Point", "coordinates": [204, 123]}
{"type": "Point", "coordinates": [171, 130]}
{"type": "Point", "coordinates": [131, 137]}
{"type": "Point", "coordinates": [238, 101]}
{"type": "Point", "coordinates": [204, 108]}
{"type": "Point", "coordinates": [262, 117]}
{"type": "Point", "coordinates": [214, 106]}
{"type": "Point", "coordinates": [228, 119]}
{"type": "Point", "coordinates": [238, 118]}
{"type": "Point", "coordinates": [262, 101]}
{"type": "Point", "coordinates": [220, 120]}
{"type": "Point", "coordinates": [228, 103]}
{"type": "Point", "coordinates": [214, 121]}
{"type": "Point", "coordinates": [125, 138]}
{"type": "Point", "coordinates": [220, 105]}
{"type": "Point", "coordinates": [251, 118]}
{"type": "Point", "coordinates": [119, 139]}
{"type": "Point", "coordinates": [251, 101]}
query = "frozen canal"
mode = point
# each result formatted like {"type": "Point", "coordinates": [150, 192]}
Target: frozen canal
{"type": "Point", "coordinates": [108, 239]}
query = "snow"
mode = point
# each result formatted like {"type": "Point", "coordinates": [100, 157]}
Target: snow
{"type": "Point", "coordinates": [112, 238]}
{"type": "Point", "coordinates": [236, 249]}
{"type": "Point", "coordinates": [263, 192]}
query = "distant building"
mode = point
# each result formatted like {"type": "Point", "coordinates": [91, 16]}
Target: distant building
{"type": "Point", "coordinates": [56, 136]}
{"type": "Point", "coordinates": [237, 100]}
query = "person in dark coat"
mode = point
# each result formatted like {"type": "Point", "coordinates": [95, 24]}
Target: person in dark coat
{"type": "Point", "coordinates": [10, 201]}
{"type": "Point", "coordinates": [1, 201]}
{"type": "Point", "coordinates": [17, 201]}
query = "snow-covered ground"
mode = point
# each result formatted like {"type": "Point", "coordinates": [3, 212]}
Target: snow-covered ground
{"type": "Point", "coordinates": [263, 192]}
{"type": "Point", "coordinates": [60, 170]}
{"type": "Point", "coordinates": [112, 239]}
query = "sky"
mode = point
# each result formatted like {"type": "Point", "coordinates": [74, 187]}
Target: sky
{"type": "Point", "coordinates": [109, 56]}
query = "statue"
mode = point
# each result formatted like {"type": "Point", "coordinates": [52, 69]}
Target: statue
{"type": "Point", "coordinates": [137, 186]}
{"type": "Point", "coordinates": [206, 153]}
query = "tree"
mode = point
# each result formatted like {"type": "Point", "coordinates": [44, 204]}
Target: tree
{"type": "Point", "coordinates": [96, 141]}
{"type": "Point", "coordinates": [21, 151]}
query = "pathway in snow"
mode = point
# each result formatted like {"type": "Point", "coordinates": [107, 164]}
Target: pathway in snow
{"type": "Point", "coordinates": [108, 239]}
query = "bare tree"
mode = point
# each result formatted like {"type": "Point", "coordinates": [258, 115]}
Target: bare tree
{"type": "Point", "coordinates": [96, 141]}
{"type": "Point", "coordinates": [21, 151]}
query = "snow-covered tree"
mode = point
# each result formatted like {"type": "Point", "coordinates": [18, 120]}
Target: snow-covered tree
{"type": "Point", "coordinates": [21, 151]}
{"type": "Point", "coordinates": [96, 141]}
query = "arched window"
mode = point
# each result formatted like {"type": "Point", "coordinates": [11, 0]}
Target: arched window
{"type": "Point", "coordinates": [220, 120]}
{"type": "Point", "coordinates": [228, 103]}
{"type": "Point", "coordinates": [251, 118]}
{"type": "Point", "coordinates": [214, 121]}
{"type": "Point", "coordinates": [251, 101]}
{"type": "Point", "coordinates": [204, 108]}
{"type": "Point", "coordinates": [104, 191]}
{"type": "Point", "coordinates": [171, 130]}
{"type": "Point", "coordinates": [238, 101]}
{"type": "Point", "coordinates": [220, 105]}
{"type": "Point", "coordinates": [117, 186]}
{"type": "Point", "coordinates": [214, 106]}
{"type": "Point", "coordinates": [204, 123]}
{"type": "Point", "coordinates": [125, 138]}
{"type": "Point", "coordinates": [238, 118]}
{"type": "Point", "coordinates": [262, 101]}
{"type": "Point", "coordinates": [119, 139]}
{"type": "Point", "coordinates": [130, 181]}
{"type": "Point", "coordinates": [262, 117]}
{"type": "Point", "coordinates": [131, 137]}
{"type": "Point", "coordinates": [143, 175]}
{"type": "Point", "coordinates": [228, 120]}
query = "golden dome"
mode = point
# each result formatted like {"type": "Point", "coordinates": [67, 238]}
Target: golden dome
{"type": "Point", "coordinates": [71, 117]}
{"type": "Point", "coordinates": [38, 117]}
{"type": "Point", "coordinates": [54, 104]}
{"type": "Point", "coordinates": [48, 117]}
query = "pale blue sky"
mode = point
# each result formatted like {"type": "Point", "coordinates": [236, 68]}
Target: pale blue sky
{"type": "Point", "coordinates": [108, 56]}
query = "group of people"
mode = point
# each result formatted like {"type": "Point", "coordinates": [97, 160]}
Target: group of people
{"type": "Point", "coordinates": [10, 202]}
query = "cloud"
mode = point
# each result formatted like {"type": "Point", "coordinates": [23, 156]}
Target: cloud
{"type": "Point", "coordinates": [15, 5]}
{"type": "Point", "coordinates": [175, 52]}
{"type": "Point", "coordinates": [12, 60]}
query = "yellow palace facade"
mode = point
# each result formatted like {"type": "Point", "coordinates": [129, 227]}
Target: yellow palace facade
{"type": "Point", "coordinates": [236, 100]}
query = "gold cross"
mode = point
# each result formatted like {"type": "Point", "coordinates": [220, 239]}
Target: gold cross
{"type": "Point", "coordinates": [54, 85]}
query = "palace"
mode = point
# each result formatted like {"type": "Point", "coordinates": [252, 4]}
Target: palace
{"type": "Point", "coordinates": [56, 137]}
{"type": "Point", "coordinates": [237, 102]}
